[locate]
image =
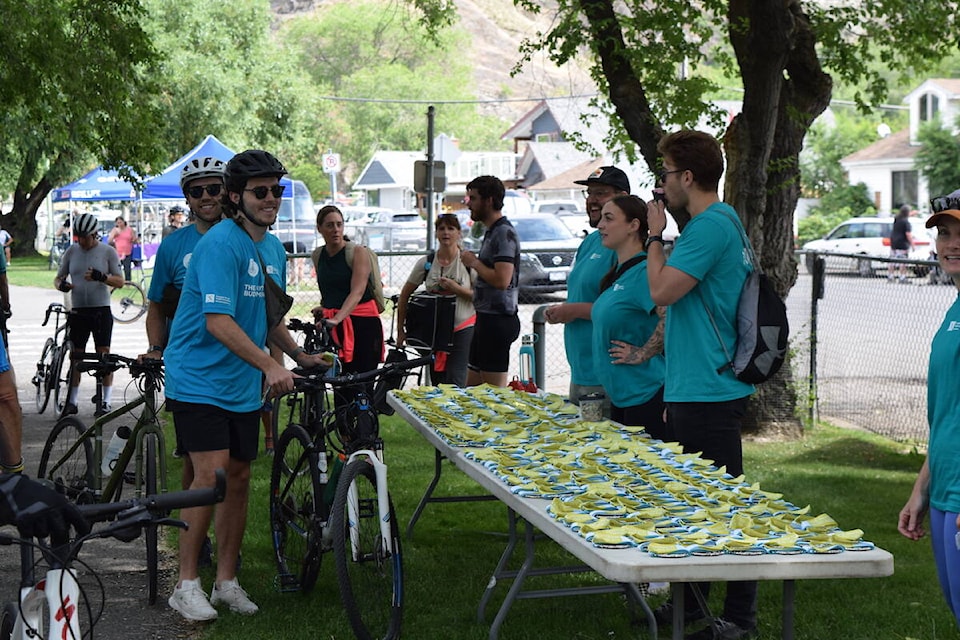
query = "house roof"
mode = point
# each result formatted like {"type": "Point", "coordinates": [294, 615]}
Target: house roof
{"type": "Point", "coordinates": [388, 169]}
{"type": "Point", "coordinates": [948, 85]}
{"type": "Point", "coordinates": [570, 114]}
{"type": "Point", "coordinates": [896, 146]}
{"type": "Point", "coordinates": [566, 179]}
{"type": "Point", "coordinates": [551, 158]}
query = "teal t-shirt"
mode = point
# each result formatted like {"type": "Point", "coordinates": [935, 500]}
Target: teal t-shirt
{"type": "Point", "coordinates": [593, 261]}
{"type": "Point", "coordinates": [943, 413]}
{"type": "Point", "coordinates": [173, 257]}
{"type": "Point", "coordinates": [709, 249]}
{"type": "Point", "coordinates": [225, 276]}
{"type": "Point", "coordinates": [625, 311]}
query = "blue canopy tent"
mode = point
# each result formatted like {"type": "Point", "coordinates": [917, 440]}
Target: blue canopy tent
{"type": "Point", "coordinates": [99, 184]}
{"type": "Point", "coordinates": [166, 185]}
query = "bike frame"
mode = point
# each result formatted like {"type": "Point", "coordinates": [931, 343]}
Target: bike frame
{"type": "Point", "coordinates": [147, 423]}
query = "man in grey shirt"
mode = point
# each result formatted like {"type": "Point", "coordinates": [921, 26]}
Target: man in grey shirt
{"type": "Point", "coordinates": [93, 269]}
{"type": "Point", "coordinates": [495, 292]}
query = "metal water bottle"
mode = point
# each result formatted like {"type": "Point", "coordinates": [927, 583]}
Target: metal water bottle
{"type": "Point", "coordinates": [527, 367]}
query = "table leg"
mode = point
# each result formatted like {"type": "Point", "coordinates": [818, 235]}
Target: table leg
{"type": "Point", "coordinates": [428, 494]}
{"type": "Point", "coordinates": [517, 585]}
{"type": "Point", "coordinates": [501, 564]}
{"type": "Point", "coordinates": [789, 590]}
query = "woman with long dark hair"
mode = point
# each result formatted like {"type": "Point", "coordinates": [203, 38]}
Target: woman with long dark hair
{"type": "Point", "coordinates": [625, 315]}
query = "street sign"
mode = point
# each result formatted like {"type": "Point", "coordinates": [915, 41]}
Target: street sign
{"type": "Point", "coordinates": [331, 162]}
{"type": "Point", "coordinates": [420, 176]}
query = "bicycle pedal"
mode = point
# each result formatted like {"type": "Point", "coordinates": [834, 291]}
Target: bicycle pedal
{"type": "Point", "coordinates": [286, 583]}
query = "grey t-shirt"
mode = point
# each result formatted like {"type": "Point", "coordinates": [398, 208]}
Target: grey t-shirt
{"type": "Point", "coordinates": [500, 244]}
{"type": "Point", "coordinates": [76, 261]}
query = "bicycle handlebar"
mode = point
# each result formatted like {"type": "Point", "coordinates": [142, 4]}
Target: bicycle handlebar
{"type": "Point", "coordinates": [159, 503]}
{"type": "Point", "coordinates": [312, 377]}
{"type": "Point", "coordinates": [53, 307]}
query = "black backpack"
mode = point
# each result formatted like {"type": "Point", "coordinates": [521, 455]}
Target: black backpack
{"type": "Point", "coordinates": [762, 327]}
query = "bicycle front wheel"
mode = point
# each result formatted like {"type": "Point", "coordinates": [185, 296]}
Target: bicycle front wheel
{"type": "Point", "coordinates": [70, 471]}
{"type": "Point", "coordinates": [296, 516]}
{"type": "Point", "coordinates": [128, 303]}
{"type": "Point", "coordinates": [150, 482]}
{"type": "Point", "coordinates": [44, 371]}
{"type": "Point", "coordinates": [370, 575]}
{"type": "Point", "coordinates": [58, 379]}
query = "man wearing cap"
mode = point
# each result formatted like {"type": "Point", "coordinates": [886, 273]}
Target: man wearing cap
{"type": "Point", "coordinates": [593, 261]}
{"type": "Point", "coordinates": [936, 487]}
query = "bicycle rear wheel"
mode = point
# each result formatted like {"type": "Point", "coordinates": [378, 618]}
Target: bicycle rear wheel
{"type": "Point", "coordinates": [59, 379]}
{"type": "Point", "coordinates": [150, 482]}
{"type": "Point", "coordinates": [128, 303]}
{"type": "Point", "coordinates": [72, 474]}
{"type": "Point", "coordinates": [296, 514]}
{"type": "Point", "coordinates": [41, 379]}
{"type": "Point", "coordinates": [8, 617]}
{"type": "Point", "coordinates": [370, 577]}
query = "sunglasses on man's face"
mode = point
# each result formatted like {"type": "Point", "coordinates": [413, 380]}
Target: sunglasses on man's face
{"type": "Point", "coordinates": [261, 192]}
{"type": "Point", "coordinates": [211, 189]}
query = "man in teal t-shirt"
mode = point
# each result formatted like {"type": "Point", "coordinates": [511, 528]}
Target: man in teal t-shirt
{"type": "Point", "coordinates": [593, 261]}
{"type": "Point", "coordinates": [705, 401]}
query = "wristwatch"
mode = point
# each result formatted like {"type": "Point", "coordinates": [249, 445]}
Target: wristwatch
{"type": "Point", "coordinates": [156, 347]}
{"type": "Point", "coordinates": [652, 239]}
{"type": "Point", "coordinates": [297, 353]}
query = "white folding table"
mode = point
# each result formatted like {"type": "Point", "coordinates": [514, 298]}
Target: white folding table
{"type": "Point", "coordinates": [628, 567]}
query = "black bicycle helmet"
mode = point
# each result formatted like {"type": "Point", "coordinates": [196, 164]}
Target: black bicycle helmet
{"type": "Point", "coordinates": [252, 163]}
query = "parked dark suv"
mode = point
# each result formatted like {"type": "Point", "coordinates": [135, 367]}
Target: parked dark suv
{"type": "Point", "coordinates": [547, 251]}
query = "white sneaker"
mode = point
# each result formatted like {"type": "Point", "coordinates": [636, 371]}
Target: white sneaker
{"type": "Point", "coordinates": [230, 592]}
{"type": "Point", "coordinates": [191, 602]}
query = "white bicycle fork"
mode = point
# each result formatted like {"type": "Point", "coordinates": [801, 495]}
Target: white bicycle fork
{"type": "Point", "coordinates": [62, 594]}
{"type": "Point", "coordinates": [383, 505]}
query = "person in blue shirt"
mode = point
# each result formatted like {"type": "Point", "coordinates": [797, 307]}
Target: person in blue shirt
{"type": "Point", "coordinates": [937, 488]}
{"type": "Point", "coordinates": [705, 400]}
{"type": "Point", "coordinates": [592, 262]}
{"type": "Point", "coordinates": [625, 312]}
{"type": "Point", "coordinates": [215, 362]}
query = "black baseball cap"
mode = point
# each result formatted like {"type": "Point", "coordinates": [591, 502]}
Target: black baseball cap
{"type": "Point", "coordinates": [611, 176]}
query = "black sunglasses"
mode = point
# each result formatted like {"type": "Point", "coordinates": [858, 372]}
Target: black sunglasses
{"type": "Point", "coordinates": [212, 189]}
{"type": "Point", "coordinates": [943, 203]}
{"type": "Point", "coordinates": [261, 192]}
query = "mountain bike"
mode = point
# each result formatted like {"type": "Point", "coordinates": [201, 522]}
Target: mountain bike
{"type": "Point", "coordinates": [328, 492]}
{"type": "Point", "coordinates": [58, 602]}
{"type": "Point", "coordinates": [50, 376]}
{"type": "Point", "coordinates": [73, 455]}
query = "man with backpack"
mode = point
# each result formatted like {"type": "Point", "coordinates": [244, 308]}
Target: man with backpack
{"type": "Point", "coordinates": [703, 277]}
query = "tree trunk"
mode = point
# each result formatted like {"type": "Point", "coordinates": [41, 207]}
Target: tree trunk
{"type": "Point", "coordinates": [21, 222]}
{"type": "Point", "coordinates": [785, 90]}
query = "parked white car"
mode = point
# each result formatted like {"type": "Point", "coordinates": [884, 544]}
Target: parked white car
{"type": "Point", "coordinates": [868, 237]}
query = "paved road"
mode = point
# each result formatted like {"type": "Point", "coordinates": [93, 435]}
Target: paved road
{"type": "Point", "coordinates": [120, 566]}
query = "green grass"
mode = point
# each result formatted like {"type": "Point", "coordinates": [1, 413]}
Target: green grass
{"type": "Point", "coordinates": [31, 271]}
{"type": "Point", "coordinates": [859, 479]}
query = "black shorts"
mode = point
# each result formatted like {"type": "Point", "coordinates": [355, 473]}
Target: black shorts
{"type": "Point", "coordinates": [90, 320]}
{"type": "Point", "coordinates": [492, 336]}
{"type": "Point", "coordinates": [206, 427]}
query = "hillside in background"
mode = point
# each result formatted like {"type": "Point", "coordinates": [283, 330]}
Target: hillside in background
{"type": "Point", "coordinates": [497, 28]}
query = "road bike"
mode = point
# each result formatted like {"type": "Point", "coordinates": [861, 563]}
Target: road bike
{"type": "Point", "coordinates": [128, 303]}
{"type": "Point", "coordinates": [50, 377]}
{"type": "Point", "coordinates": [59, 602]}
{"type": "Point", "coordinates": [328, 492]}
{"type": "Point", "coordinates": [73, 455]}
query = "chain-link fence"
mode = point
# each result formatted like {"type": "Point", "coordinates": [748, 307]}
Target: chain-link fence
{"type": "Point", "coordinates": [865, 365]}
{"type": "Point", "coordinates": [867, 339]}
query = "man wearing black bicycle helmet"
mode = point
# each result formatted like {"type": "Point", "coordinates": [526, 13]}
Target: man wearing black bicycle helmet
{"type": "Point", "coordinates": [215, 365]}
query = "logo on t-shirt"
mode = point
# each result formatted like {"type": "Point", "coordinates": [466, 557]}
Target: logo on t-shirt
{"type": "Point", "coordinates": [253, 268]}
{"type": "Point", "coordinates": [953, 326]}
{"type": "Point", "coordinates": [210, 298]}
{"type": "Point", "coordinates": [186, 260]}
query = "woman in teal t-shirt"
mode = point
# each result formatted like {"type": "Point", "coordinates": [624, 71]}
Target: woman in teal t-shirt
{"type": "Point", "coordinates": [937, 488]}
{"type": "Point", "coordinates": [624, 315]}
